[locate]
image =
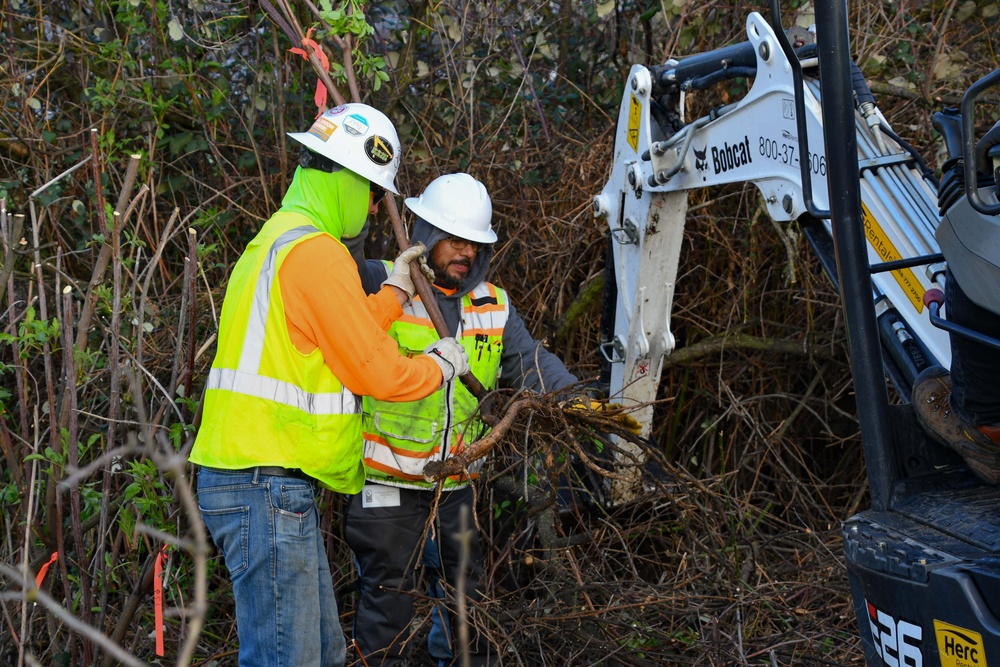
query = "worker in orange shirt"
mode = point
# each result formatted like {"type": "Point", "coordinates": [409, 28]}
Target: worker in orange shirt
{"type": "Point", "coordinates": [299, 345]}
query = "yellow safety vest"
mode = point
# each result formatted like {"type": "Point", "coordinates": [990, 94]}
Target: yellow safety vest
{"type": "Point", "coordinates": [267, 403]}
{"type": "Point", "coordinates": [400, 438]}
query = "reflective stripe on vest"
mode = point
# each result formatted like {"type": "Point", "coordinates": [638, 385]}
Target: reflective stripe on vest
{"type": "Point", "coordinates": [400, 438]}
{"type": "Point", "coordinates": [286, 393]}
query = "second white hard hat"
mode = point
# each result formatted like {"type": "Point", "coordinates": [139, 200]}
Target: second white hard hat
{"type": "Point", "coordinates": [359, 138]}
{"type": "Point", "coordinates": [457, 204]}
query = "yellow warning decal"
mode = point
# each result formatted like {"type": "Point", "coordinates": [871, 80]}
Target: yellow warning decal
{"type": "Point", "coordinates": [887, 253]}
{"type": "Point", "coordinates": [958, 647]}
{"type": "Point", "coordinates": [634, 118]}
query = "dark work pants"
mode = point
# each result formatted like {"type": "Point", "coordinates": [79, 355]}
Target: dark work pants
{"type": "Point", "coordinates": [386, 542]}
{"type": "Point", "coordinates": [975, 368]}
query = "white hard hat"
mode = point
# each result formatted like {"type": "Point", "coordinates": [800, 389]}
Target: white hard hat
{"type": "Point", "coordinates": [357, 137]}
{"type": "Point", "coordinates": [457, 204]}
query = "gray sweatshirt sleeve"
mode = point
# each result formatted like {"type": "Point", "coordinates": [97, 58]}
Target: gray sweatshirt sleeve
{"type": "Point", "coordinates": [526, 364]}
{"type": "Point", "coordinates": [372, 271]}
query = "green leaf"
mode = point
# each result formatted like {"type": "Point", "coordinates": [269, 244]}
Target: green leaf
{"type": "Point", "coordinates": [132, 489]}
{"type": "Point", "coordinates": [175, 30]}
{"type": "Point", "coordinates": [965, 10]}
{"type": "Point", "coordinates": [179, 142]}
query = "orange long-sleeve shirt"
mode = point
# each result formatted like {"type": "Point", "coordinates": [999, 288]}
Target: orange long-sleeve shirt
{"type": "Point", "coordinates": [349, 327]}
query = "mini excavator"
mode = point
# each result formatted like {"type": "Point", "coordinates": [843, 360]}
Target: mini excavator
{"type": "Point", "coordinates": [924, 561]}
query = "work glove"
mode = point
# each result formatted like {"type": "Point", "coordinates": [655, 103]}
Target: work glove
{"type": "Point", "coordinates": [625, 420]}
{"type": "Point", "coordinates": [984, 163]}
{"type": "Point", "coordinates": [451, 357]}
{"type": "Point", "coordinates": [400, 276]}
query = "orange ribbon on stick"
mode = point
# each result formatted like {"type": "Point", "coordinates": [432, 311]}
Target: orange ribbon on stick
{"type": "Point", "coordinates": [320, 95]}
{"type": "Point", "coordinates": [158, 598]}
{"type": "Point", "coordinates": [40, 577]}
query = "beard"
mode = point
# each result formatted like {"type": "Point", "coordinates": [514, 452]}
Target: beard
{"type": "Point", "coordinates": [443, 279]}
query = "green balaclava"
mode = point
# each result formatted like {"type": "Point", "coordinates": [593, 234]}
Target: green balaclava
{"type": "Point", "coordinates": [337, 202]}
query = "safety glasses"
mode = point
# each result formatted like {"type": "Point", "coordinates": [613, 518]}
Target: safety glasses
{"type": "Point", "coordinates": [462, 244]}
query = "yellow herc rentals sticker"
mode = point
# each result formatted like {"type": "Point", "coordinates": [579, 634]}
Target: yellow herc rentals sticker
{"type": "Point", "coordinates": [887, 253]}
{"type": "Point", "coordinates": [634, 118]}
{"type": "Point", "coordinates": [958, 647]}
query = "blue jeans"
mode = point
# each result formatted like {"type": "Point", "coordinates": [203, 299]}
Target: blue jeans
{"type": "Point", "coordinates": [439, 638]}
{"type": "Point", "coordinates": [267, 528]}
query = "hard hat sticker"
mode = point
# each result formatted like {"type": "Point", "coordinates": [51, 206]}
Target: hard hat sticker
{"type": "Point", "coordinates": [356, 124]}
{"type": "Point", "coordinates": [323, 128]}
{"type": "Point", "coordinates": [336, 111]}
{"type": "Point", "coordinates": [379, 150]}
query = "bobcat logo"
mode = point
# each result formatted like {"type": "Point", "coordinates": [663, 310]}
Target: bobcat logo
{"type": "Point", "coordinates": [701, 161]}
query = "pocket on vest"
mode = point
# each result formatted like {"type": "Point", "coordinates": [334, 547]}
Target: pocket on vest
{"type": "Point", "coordinates": [404, 426]}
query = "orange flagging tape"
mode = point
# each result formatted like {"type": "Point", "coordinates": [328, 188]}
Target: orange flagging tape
{"type": "Point", "coordinates": [320, 95]}
{"type": "Point", "coordinates": [158, 599]}
{"type": "Point", "coordinates": [40, 577]}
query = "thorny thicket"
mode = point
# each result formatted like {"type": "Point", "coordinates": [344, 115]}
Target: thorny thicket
{"type": "Point", "coordinates": [734, 557]}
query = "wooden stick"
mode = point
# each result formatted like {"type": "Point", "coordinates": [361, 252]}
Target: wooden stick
{"type": "Point", "coordinates": [296, 38]}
